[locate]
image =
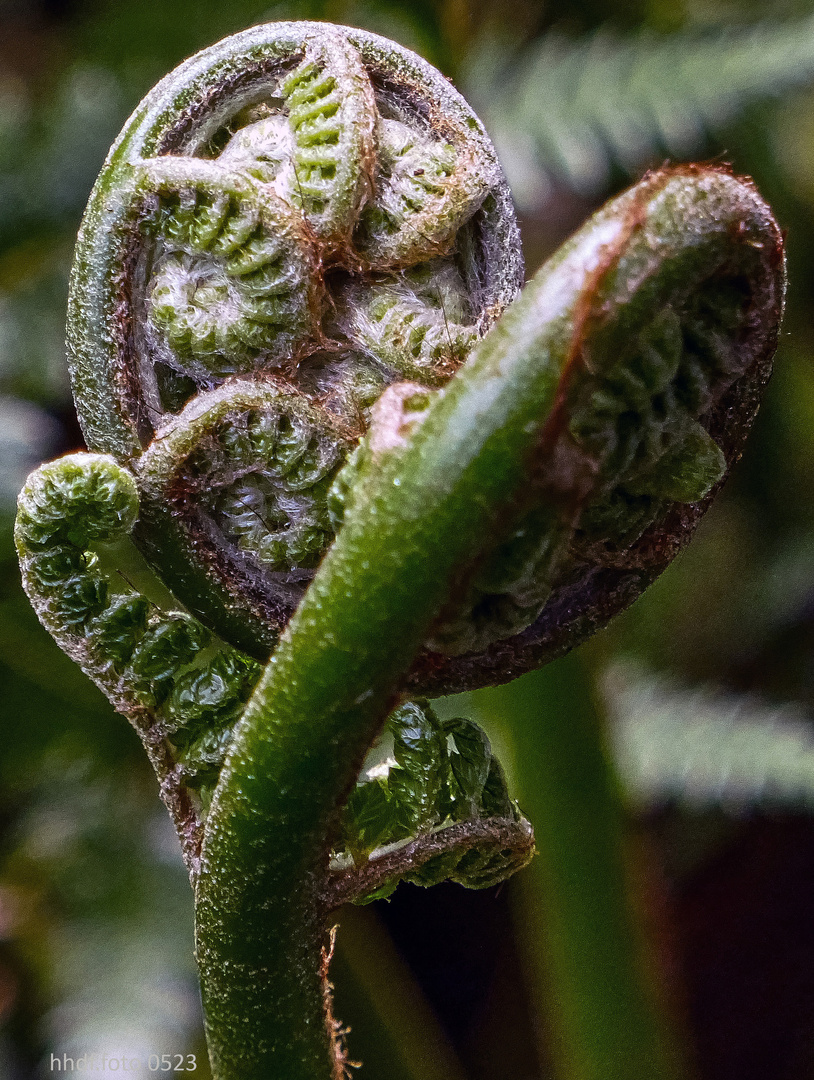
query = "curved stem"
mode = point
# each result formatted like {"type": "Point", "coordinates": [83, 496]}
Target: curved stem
{"type": "Point", "coordinates": [329, 686]}
{"type": "Point", "coordinates": [433, 504]}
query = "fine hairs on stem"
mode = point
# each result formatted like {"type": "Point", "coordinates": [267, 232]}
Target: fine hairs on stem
{"type": "Point", "coordinates": [372, 468]}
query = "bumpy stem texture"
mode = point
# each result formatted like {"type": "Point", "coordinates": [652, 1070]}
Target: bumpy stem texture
{"type": "Point", "coordinates": [438, 486]}
{"type": "Point", "coordinates": [298, 348]}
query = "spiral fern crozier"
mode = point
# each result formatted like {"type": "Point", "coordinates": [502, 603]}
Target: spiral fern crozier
{"type": "Point", "coordinates": [345, 440]}
{"type": "Point", "coordinates": [282, 231]}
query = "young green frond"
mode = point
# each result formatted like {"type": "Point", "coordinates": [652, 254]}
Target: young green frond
{"type": "Point", "coordinates": [325, 235]}
{"type": "Point", "coordinates": [430, 805]}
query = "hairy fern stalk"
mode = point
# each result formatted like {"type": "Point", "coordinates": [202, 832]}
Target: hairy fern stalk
{"type": "Point", "coordinates": [319, 403]}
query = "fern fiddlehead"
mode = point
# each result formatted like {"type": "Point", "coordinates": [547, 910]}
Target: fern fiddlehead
{"type": "Point", "coordinates": [322, 233]}
{"type": "Point", "coordinates": [291, 225]}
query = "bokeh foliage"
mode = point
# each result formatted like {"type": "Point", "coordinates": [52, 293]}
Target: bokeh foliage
{"type": "Point", "coordinates": [711, 710]}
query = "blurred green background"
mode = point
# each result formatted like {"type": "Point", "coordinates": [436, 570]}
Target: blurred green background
{"type": "Point", "coordinates": [707, 682]}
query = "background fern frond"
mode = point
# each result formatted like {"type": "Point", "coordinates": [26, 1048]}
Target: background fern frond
{"type": "Point", "coordinates": [570, 109]}
{"type": "Point", "coordinates": [704, 749]}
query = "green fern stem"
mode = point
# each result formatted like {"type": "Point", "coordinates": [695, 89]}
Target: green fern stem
{"type": "Point", "coordinates": [444, 481]}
